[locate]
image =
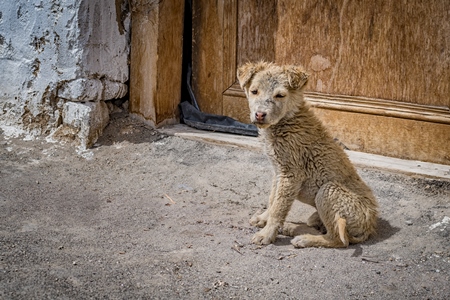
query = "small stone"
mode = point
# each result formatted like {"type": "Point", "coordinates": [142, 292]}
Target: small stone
{"type": "Point", "coordinates": [409, 222]}
{"type": "Point", "coordinates": [403, 265]}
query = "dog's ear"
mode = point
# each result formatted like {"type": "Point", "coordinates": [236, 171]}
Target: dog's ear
{"type": "Point", "coordinates": [246, 72]}
{"type": "Point", "coordinates": [297, 77]}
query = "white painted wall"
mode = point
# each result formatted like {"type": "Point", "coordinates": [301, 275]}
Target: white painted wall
{"type": "Point", "coordinates": [57, 51]}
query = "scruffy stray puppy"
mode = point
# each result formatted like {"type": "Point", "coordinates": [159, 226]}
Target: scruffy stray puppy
{"type": "Point", "coordinates": [308, 165]}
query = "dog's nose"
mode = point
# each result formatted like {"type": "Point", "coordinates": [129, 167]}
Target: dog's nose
{"type": "Point", "coordinates": [260, 116]}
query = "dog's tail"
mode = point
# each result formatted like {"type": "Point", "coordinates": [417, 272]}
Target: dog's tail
{"type": "Point", "coordinates": [341, 223]}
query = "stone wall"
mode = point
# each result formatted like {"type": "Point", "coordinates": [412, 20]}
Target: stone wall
{"type": "Point", "coordinates": [59, 62]}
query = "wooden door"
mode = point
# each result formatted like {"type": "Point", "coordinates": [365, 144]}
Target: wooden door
{"type": "Point", "coordinates": [380, 70]}
{"type": "Point", "coordinates": [219, 30]}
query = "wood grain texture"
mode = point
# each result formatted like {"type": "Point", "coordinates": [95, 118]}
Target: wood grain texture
{"type": "Point", "coordinates": [257, 23]}
{"type": "Point", "coordinates": [230, 33]}
{"type": "Point", "coordinates": [156, 54]}
{"type": "Point", "coordinates": [225, 34]}
{"type": "Point", "coordinates": [388, 49]}
{"type": "Point", "coordinates": [237, 107]}
{"type": "Point", "coordinates": [207, 54]}
{"type": "Point", "coordinates": [142, 58]}
{"type": "Point", "coordinates": [170, 54]}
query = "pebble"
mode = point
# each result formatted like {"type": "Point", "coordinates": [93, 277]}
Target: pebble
{"type": "Point", "coordinates": [409, 222]}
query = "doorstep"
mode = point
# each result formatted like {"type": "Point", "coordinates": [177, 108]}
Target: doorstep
{"type": "Point", "coordinates": [410, 167]}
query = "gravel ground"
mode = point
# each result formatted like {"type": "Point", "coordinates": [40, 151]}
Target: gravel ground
{"type": "Point", "coordinates": [147, 216]}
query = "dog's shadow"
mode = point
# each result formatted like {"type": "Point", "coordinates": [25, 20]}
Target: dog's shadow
{"type": "Point", "coordinates": [384, 232]}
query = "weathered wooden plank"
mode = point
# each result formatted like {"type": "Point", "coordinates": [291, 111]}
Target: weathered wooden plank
{"type": "Point", "coordinates": [170, 53]}
{"type": "Point", "coordinates": [257, 23]}
{"type": "Point", "coordinates": [142, 58]}
{"type": "Point", "coordinates": [207, 54]}
{"type": "Point", "coordinates": [382, 49]}
{"type": "Point", "coordinates": [156, 54]}
{"type": "Point", "coordinates": [230, 32]}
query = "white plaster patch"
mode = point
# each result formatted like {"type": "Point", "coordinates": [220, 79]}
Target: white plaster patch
{"type": "Point", "coordinates": [445, 221]}
{"type": "Point", "coordinates": [86, 154]}
{"type": "Point", "coordinates": [83, 89]}
{"type": "Point", "coordinates": [11, 131]}
{"type": "Point", "coordinates": [50, 139]}
{"type": "Point", "coordinates": [75, 50]}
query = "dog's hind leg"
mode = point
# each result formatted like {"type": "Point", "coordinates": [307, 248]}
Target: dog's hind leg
{"type": "Point", "coordinates": [309, 240]}
{"type": "Point", "coordinates": [333, 204]}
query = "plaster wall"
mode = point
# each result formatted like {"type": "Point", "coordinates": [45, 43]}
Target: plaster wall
{"type": "Point", "coordinates": [57, 52]}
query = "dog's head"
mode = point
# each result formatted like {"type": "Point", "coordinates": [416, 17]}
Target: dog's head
{"type": "Point", "coordinates": [273, 92]}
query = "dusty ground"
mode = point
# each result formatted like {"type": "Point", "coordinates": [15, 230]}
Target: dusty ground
{"type": "Point", "coordinates": [146, 216]}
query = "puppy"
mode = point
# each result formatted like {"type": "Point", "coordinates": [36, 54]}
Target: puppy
{"type": "Point", "coordinates": [308, 165]}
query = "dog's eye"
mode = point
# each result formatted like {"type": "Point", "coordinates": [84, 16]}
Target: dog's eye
{"type": "Point", "coordinates": [254, 92]}
{"type": "Point", "coordinates": [280, 96]}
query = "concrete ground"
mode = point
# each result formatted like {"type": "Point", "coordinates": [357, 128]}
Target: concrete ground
{"type": "Point", "coordinates": [148, 215]}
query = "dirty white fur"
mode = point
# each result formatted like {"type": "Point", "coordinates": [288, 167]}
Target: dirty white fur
{"type": "Point", "coordinates": [308, 165]}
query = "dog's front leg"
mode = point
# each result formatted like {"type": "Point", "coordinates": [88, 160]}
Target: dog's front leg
{"type": "Point", "coordinates": [277, 212]}
{"type": "Point", "coordinates": [261, 220]}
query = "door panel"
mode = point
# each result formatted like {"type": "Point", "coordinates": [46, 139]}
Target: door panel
{"type": "Point", "coordinates": [219, 29]}
{"type": "Point", "coordinates": [377, 49]}
{"type": "Point", "coordinates": [257, 28]}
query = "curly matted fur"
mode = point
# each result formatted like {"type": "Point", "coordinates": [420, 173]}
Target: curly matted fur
{"type": "Point", "coordinates": [308, 164]}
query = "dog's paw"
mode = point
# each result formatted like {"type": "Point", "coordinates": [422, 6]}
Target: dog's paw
{"type": "Point", "coordinates": [259, 239]}
{"type": "Point", "coordinates": [258, 220]}
{"type": "Point", "coordinates": [301, 241]}
{"type": "Point", "coordinates": [262, 238]}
